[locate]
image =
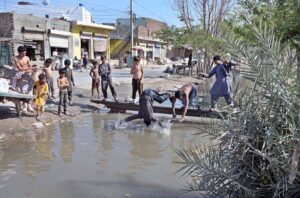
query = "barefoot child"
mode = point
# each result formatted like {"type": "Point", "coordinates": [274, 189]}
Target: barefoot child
{"type": "Point", "coordinates": [63, 84]}
{"type": "Point", "coordinates": [41, 91]}
{"type": "Point", "coordinates": [95, 78]}
{"type": "Point", "coordinates": [69, 75]}
{"type": "Point", "coordinates": [137, 72]}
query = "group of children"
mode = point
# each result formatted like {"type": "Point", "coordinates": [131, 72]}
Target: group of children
{"type": "Point", "coordinates": [44, 85]}
{"type": "Point", "coordinates": [101, 75]}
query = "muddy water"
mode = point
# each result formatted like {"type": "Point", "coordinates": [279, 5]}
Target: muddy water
{"type": "Point", "coordinates": [87, 157]}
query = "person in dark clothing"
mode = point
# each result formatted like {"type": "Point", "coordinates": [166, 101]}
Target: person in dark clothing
{"type": "Point", "coordinates": [69, 75]}
{"type": "Point", "coordinates": [146, 106]}
{"type": "Point", "coordinates": [106, 79]}
{"type": "Point", "coordinates": [84, 61]}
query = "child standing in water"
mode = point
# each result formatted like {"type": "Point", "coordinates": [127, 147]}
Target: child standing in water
{"type": "Point", "coordinates": [40, 91]}
{"type": "Point", "coordinates": [95, 78]}
{"type": "Point", "coordinates": [63, 84]}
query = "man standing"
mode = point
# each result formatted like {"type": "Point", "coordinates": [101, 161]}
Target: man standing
{"type": "Point", "coordinates": [146, 106]}
{"type": "Point", "coordinates": [137, 72]}
{"type": "Point", "coordinates": [106, 79]}
{"type": "Point", "coordinates": [188, 95]}
{"type": "Point", "coordinates": [222, 86]}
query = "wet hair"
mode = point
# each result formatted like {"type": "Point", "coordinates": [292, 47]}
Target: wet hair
{"type": "Point", "coordinates": [147, 122]}
{"type": "Point", "coordinates": [136, 58]}
{"type": "Point", "coordinates": [34, 65]}
{"type": "Point", "coordinates": [67, 62]}
{"type": "Point", "coordinates": [103, 57]}
{"type": "Point", "coordinates": [42, 76]}
{"type": "Point", "coordinates": [216, 58]}
{"type": "Point", "coordinates": [94, 62]}
{"type": "Point", "coordinates": [62, 71]}
{"type": "Point", "coordinates": [177, 94]}
{"type": "Point", "coordinates": [21, 49]}
{"type": "Point", "coordinates": [48, 61]}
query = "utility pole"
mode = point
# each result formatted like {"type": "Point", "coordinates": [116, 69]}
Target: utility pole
{"type": "Point", "coordinates": [131, 27]}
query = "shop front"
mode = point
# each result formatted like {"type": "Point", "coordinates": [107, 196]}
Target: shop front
{"type": "Point", "coordinates": [33, 40]}
{"type": "Point", "coordinates": [90, 39]}
{"type": "Point", "coordinates": [59, 42]}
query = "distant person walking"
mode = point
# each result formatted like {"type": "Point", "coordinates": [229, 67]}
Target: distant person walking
{"type": "Point", "coordinates": [48, 72]}
{"type": "Point", "coordinates": [62, 84]}
{"type": "Point", "coordinates": [106, 79]}
{"type": "Point", "coordinates": [129, 59]}
{"type": "Point", "coordinates": [137, 72]}
{"type": "Point", "coordinates": [222, 86]}
{"type": "Point", "coordinates": [94, 73]}
{"type": "Point", "coordinates": [69, 75]}
{"type": "Point", "coordinates": [84, 61]}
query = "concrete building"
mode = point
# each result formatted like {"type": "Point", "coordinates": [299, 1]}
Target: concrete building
{"type": "Point", "coordinates": [145, 43]}
{"type": "Point", "coordinates": [91, 39]}
{"type": "Point", "coordinates": [40, 35]}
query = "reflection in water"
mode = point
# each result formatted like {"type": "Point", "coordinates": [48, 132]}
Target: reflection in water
{"type": "Point", "coordinates": [145, 150]}
{"type": "Point", "coordinates": [67, 140]}
{"type": "Point", "coordinates": [101, 161]}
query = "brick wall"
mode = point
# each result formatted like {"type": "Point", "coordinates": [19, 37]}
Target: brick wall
{"type": "Point", "coordinates": [150, 27]}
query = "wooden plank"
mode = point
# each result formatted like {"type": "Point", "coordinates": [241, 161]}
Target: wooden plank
{"type": "Point", "coordinates": [12, 94]}
{"type": "Point", "coordinates": [123, 106]}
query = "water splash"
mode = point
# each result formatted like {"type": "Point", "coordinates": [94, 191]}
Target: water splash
{"type": "Point", "coordinates": [164, 127]}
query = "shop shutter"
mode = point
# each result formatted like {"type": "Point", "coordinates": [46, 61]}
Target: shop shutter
{"type": "Point", "coordinates": [59, 41]}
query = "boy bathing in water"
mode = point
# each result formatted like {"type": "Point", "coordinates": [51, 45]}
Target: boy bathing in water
{"type": "Point", "coordinates": [40, 92]}
{"type": "Point", "coordinates": [137, 72]}
{"type": "Point", "coordinates": [95, 78]}
{"type": "Point", "coordinates": [48, 73]}
{"type": "Point", "coordinates": [62, 84]}
{"type": "Point", "coordinates": [188, 95]}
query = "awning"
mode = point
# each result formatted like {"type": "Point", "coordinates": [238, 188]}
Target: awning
{"type": "Point", "coordinates": [33, 36]}
{"type": "Point", "coordinates": [85, 35]}
{"type": "Point", "coordinates": [100, 44]}
{"type": "Point", "coordinates": [59, 32]}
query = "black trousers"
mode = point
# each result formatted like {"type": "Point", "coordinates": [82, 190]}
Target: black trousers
{"type": "Point", "coordinates": [50, 83]}
{"type": "Point", "coordinates": [62, 101]}
{"type": "Point", "coordinates": [104, 86]}
{"type": "Point", "coordinates": [136, 87]}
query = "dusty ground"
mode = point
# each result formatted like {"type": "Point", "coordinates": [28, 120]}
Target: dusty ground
{"type": "Point", "coordinates": [10, 123]}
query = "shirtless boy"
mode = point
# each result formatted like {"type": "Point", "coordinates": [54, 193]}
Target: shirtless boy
{"type": "Point", "coordinates": [48, 73]}
{"type": "Point", "coordinates": [22, 62]}
{"type": "Point", "coordinates": [188, 95]}
{"type": "Point", "coordinates": [137, 72]}
{"type": "Point", "coordinates": [63, 84]}
{"type": "Point", "coordinates": [95, 78]}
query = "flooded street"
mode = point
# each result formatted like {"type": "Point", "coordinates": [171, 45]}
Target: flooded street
{"type": "Point", "coordinates": [87, 157]}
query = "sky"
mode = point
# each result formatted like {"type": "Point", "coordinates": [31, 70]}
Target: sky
{"type": "Point", "coordinates": [103, 11]}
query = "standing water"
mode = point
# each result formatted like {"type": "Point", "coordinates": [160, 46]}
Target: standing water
{"type": "Point", "coordinates": [89, 157]}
